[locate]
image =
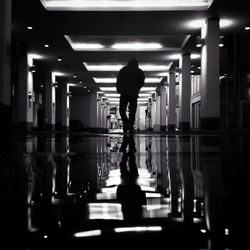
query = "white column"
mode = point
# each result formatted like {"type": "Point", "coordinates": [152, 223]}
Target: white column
{"type": "Point", "coordinates": [157, 112]}
{"type": "Point", "coordinates": [210, 99]}
{"type": "Point", "coordinates": [50, 101]}
{"type": "Point", "coordinates": [184, 92]}
{"type": "Point", "coordinates": [25, 93]}
{"type": "Point", "coordinates": [163, 113]}
{"type": "Point", "coordinates": [65, 112]}
{"type": "Point", "coordinates": [171, 102]}
{"type": "Point", "coordinates": [153, 110]}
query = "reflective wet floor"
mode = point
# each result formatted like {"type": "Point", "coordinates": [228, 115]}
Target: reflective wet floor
{"type": "Point", "coordinates": [114, 190]}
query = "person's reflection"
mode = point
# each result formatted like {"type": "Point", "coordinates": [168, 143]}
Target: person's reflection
{"type": "Point", "coordinates": [129, 193]}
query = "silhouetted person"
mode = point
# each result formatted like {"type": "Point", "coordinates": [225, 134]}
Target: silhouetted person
{"type": "Point", "coordinates": [130, 79]}
{"type": "Point", "coordinates": [129, 193]}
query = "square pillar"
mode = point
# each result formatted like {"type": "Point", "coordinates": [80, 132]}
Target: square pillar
{"type": "Point", "coordinates": [184, 92]}
{"type": "Point", "coordinates": [210, 64]}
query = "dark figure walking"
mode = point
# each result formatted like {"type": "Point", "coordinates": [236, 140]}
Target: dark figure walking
{"type": "Point", "coordinates": [130, 79]}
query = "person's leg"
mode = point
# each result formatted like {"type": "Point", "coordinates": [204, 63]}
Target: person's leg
{"type": "Point", "coordinates": [122, 110]}
{"type": "Point", "coordinates": [132, 111]}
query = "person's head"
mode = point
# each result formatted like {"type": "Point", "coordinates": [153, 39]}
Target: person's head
{"type": "Point", "coordinates": [133, 63]}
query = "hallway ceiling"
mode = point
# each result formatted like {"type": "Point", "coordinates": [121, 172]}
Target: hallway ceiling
{"type": "Point", "coordinates": [98, 35]}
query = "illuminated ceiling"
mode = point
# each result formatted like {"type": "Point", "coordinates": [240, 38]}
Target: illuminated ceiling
{"type": "Point", "coordinates": [126, 5]}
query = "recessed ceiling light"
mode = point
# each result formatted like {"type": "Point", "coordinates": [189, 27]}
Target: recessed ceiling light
{"type": "Point", "coordinates": [59, 59]}
{"type": "Point", "coordinates": [247, 27]}
{"type": "Point", "coordinates": [75, 75]}
{"type": "Point", "coordinates": [29, 27]}
{"type": "Point", "coordinates": [135, 5]}
{"type": "Point", "coordinates": [46, 45]}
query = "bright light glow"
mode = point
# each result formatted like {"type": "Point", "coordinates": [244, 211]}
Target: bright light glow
{"type": "Point", "coordinates": [163, 74]}
{"type": "Point", "coordinates": [112, 95]}
{"type": "Point", "coordinates": [83, 46]}
{"type": "Point", "coordinates": [225, 23]}
{"type": "Point", "coordinates": [153, 80]}
{"type": "Point", "coordinates": [88, 233]}
{"type": "Point", "coordinates": [125, 5]}
{"type": "Point", "coordinates": [105, 80]}
{"type": "Point", "coordinates": [104, 67]}
{"type": "Point", "coordinates": [105, 211]}
{"type": "Point", "coordinates": [148, 88]}
{"type": "Point", "coordinates": [145, 95]}
{"type": "Point", "coordinates": [56, 73]}
{"type": "Point", "coordinates": [108, 89]}
{"type": "Point", "coordinates": [137, 46]}
{"type": "Point", "coordinates": [197, 24]}
{"type": "Point", "coordinates": [195, 56]}
{"type": "Point", "coordinates": [142, 99]}
{"type": "Point", "coordinates": [178, 56]}
{"type": "Point", "coordinates": [36, 56]}
{"type": "Point", "coordinates": [113, 89]}
{"type": "Point", "coordinates": [87, 46]}
{"type": "Point", "coordinates": [113, 99]}
{"type": "Point", "coordinates": [74, 84]}
{"type": "Point", "coordinates": [114, 102]}
{"type": "Point", "coordinates": [153, 195]}
{"type": "Point", "coordinates": [153, 67]}
{"type": "Point", "coordinates": [117, 67]}
{"type": "Point", "coordinates": [174, 56]}
{"type": "Point", "coordinates": [137, 229]}
{"type": "Point", "coordinates": [113, 80]}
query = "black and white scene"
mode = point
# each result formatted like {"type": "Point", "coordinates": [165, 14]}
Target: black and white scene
{"type": "Point", "coordinates": [124, 124]}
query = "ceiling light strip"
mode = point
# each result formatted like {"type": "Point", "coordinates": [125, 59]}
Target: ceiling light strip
{"type": "Point", "coordinates": [136, 5]}
{"type": "Point", "coordinates": [117, 67]}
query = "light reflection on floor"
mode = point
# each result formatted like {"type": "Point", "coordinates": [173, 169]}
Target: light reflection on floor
{"type": "Point", "coordinates": [62, 185]}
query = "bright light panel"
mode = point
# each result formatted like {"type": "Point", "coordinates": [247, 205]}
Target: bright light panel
{"type": "Point", "coordinates": [105, 80]}
{"type": "Point", "coordinates": [113, 80]}
{"type": "Point", "coordinates": [135, 5]}
{"type": "Point", "coordinates": [137, 46]}
{"type": "Point", "coordinates": [113, 89]}
{"type": "Point", "coordinates": [112, 95]}
{"type": "Point", "coordinates": [83, 46]}
{"type": "Point", "coordinates": [90, 233]}
{"type": "Point", "coordinates": [117, 67]}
